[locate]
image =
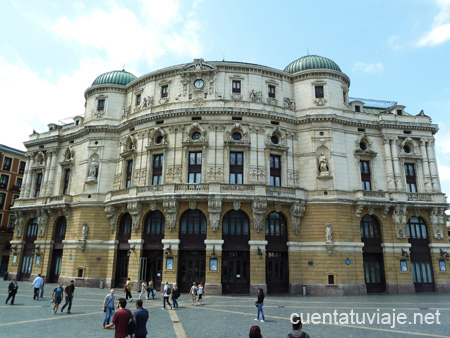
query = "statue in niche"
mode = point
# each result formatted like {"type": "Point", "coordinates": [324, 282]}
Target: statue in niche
{"type": "Point", "coordinates": [93, 170]}
{"type": "Point", "coordinates": [84, 231]}
{"type": "Point", "coordinates": [328, 232]}
{"type": "Point", "coordinates": [323, 164]}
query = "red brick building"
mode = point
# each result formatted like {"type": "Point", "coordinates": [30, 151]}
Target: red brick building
{"type": "Point", "coordinates": [12, 168]}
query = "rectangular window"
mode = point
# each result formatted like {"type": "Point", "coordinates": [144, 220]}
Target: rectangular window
{"type": "Point", "coordinates": [21, 167]}
{"type": "Point", "coordinates": [12, 221]}
{"type": "Point", "coordinates": [399, 112]}
{"type": "Point", "coordinates": [319, 92]}
{"type": "Point", "coordinates": [410, 174]}
{"type": "Point", "coordinates": [236, 86]}
{"type": "Point", "coordinates": [66, 181]}
{"type": "Point", "coordinates": [101, 105]}
{"type": "Point", "coordinates": [165, 91]}
{"type": "Point", "coordinates": [7, 163]}
{"type": "Point", "coordinates": [2, 200]}
{"type": "Point", "coordinates": [271, 91]}
{"type": "Point", "coordinates": [364, 167]}
{"type": "Point", "coordinates": [275, 170]}
{"type": "Point", "coordinates": [195, 167]}
{"type": "Point", "coordinates": [357, 109]}
{"type": "Point", "coordinates": [38, 185]}
{"type": "Point", "coordinates": [4, 179]}
{"type": "Point", "coordinates": [157, 169]}
{"type": "Point", "coordinates": [138, 99]}
{"type": "Point", "coordinates": [236, 168]}
{"type": "Point", "coordinates": [129, 173]}
{"type": "Point", "coordinates": [19, 182]}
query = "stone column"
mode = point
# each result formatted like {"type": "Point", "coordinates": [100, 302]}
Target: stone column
{"type": "Point", "coordinates": [397, 170]}
{"type": "Point", "coordinates": [389, 169]}
{"type": "Point", "coordinates": [51, 174]}
{"type": "Point", "coordinates": [213, 275]}
{"type": "Point", "coordinates": [46, 174]}
{"type": "Point", "coordinates": [433, 166]}
{"type": "Point", "coordinates": [425, 166]}
{"type": "Point", "coordinates": [257, 265]}
{"type": "Point", "coordinates": [25, 191]}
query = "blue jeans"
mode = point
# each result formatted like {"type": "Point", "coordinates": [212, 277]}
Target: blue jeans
{"type": "Point", "coordinates": [42, 291]}
{"type": "Point", "coordinates": [260, 310]}
{"type": "Point", "coordinates": [108, 315]}
{"type": "Point", "coordinates": [175, 302]}
{"type": "Point", "coordinates": [68, 302]}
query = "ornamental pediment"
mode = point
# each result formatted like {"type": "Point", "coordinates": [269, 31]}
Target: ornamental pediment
{"type": "Point", "coordinates": [198, 65]}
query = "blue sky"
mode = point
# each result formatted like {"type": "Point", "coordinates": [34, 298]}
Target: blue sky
{"type": "Point", "coordinates": [51, 51]}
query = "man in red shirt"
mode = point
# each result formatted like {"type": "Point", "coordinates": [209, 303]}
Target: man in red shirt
{"type": "Point", "coordinates": [120, 319]}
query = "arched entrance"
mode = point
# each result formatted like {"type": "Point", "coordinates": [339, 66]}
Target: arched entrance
{"type": "Point", "coordinates": [421, 267]}
{"type": "Point", "coordinates": [372, 255]}
{"type": "Point", "coordinates": [192, 256]}
{"type": "Point", "coordinates": [57, 253]}
{"type": "Point", "coordinates": [154, 227]}
{"type": "Point", "coordinates": [277, 258]}
{"type": "Point", "coordinates": [235, 253]}
{"type": "Point", "coordinates": [123, 254]}
{"type": "Point", "coordinates": [28, 250]}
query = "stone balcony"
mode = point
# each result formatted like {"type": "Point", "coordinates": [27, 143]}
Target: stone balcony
{"type": "Point", "coordinates": [398, 196]}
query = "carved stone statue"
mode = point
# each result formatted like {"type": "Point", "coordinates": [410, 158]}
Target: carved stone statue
{"type": "Point", "coordinates": [328, 232]}
{"type": "Point", "coordinates": [84, 231]}
{"type": "Point", "coordinates": [93, 170]}
{"type": "Point", "coordinates": [323, 164]}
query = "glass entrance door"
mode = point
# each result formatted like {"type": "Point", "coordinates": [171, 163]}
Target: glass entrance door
{"type": "Point", "coordinates": [55, 268]}
{"type": "Point", "coordinates": [235, 272]}
{"type": "Point", "coordinates": [277, 272]}
{"type": "Point", "coordinates": [191, 269]}
{"type": "Point", "coordinates": [121, 268]}
{"type": "Point", "coordinates": [374, 273]}
{"type": "Point", "coordinates": [154, 267]}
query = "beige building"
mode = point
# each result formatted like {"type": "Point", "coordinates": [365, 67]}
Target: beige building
{"type": "Point", "coordinates": [238, 175]}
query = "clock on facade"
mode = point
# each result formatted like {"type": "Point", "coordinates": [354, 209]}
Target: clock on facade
{"type": "Point", "coordinates": [199, 83]}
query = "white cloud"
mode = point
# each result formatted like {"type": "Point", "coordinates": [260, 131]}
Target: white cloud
{"type": "Point", "coordinates": [128, 38]}
{"type": "Point", "coordinates": [368, 67]}
{"type": "Point", "coordinates": [440, 30]}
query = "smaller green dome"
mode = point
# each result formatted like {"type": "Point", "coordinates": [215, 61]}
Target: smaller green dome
{"type": "Point", "coordinates": [118, 77]}
{"type": "Point", "coordinates": [311, 62]}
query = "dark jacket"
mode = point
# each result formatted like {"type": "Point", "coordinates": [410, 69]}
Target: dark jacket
{"type": "Point", "coordinates": [260, 299]}
{"type": "Point", "coordinates": [176, 293]}
{"type": "Point", "coordinates": [13, 288]}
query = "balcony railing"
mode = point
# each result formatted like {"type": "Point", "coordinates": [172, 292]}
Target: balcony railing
{"type": "Point", "coordinates": [374, 194]}
{"type": "Point", "coordinates": [229, 188]}
{"type": "Point", "coordinates": [120, 192]}
{"type": "Point", "coordinates": [420, 197]}
{"type": "Point", "coordinates": [277, 191]}
{"type": "Point", "coordinates": [16, 187]}
{"type": "Point", "coordinates": [192, 187]}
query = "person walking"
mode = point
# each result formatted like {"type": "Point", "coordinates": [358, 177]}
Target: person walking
{"type": "Point", "coordinates": [200, 293]}
{"type": "Point", "coordinates": [141, 317]}
{"type": "Point", "coordinates": [175, 295]}
{"type": "Point", "coordinates": [193, 293]}
{"type": "Point", "coordinates": [37, 283]}
{"type": "Point", "coordinates": [259, 303]}
{"type": "Point", "coordinates": [42, 287]}
{"type": "Point", "coordinates": [57, 295]}
{"type": "Point", "coordinates": [70, 289]}
{"type": "Point", "coordinates": [143, 289]}
{"type": "Point", "coordinates": [12, 290]}
{"type": "Point", "coordinates": [108, 307]}
{"type": "Point", "coordinates": [120, 319]}
{"type": "Point", "coordinates": [150, 289]}
{"type": "Point", "coordinates": [128, 288]}
{"type": "Point", "coordinates": [166, 296]}
{"type": "Point", "coordinates": [297, 329]}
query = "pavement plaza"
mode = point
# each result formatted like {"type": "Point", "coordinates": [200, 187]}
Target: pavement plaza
{"type": "Point", "coordinates": [230, 316]}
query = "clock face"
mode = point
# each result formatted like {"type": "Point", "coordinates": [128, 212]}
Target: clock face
{"type": "Point", "coordinates": [199, 83]}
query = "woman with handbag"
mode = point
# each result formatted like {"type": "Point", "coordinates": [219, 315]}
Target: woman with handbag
{"type": "Point", "coordinates": [108, 307]}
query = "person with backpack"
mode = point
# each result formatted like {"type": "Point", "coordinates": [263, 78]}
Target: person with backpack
{"type": "Point", "coordinates": [193, 293]}
{"type": "Point", "coordinates": [123, 320]}
{"type": "Point", "coordinates": [297, 329]}
{"type": "Point", "coordinates": [167, 292]}
{"type": "Point", "coordinates": [57, 296]}
{"type": "Point", "coordinates": [175, 295]}
{"type": "Point", "coordinates": [200, 293]}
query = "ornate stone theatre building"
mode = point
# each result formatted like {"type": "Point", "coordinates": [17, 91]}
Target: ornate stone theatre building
{"type": "Point", "coordinates": [241, 176]}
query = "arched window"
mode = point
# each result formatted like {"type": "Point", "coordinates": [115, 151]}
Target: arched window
{"type": "Point", "coordinates": [235, 223]}
{"type": "Point", "coordinates": [193, 223]}
{"type": "Point", "coordinates": [417, 229]}
{"type": "Point", "coordinates": [154, 224]}
{"type": "Point", "coordinates": [125, 227]}
{"type": "Point", "coordinates": [370, 228]}
{"type": "Point", "coordinates": [32, 229]}
{"type": "Point", "coordinates": [276, 225]}
{"type": "Point", "coordinates": [60, 230]}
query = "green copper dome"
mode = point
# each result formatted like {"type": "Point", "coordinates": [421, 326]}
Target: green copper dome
{"type": "Point", "coordinates": [118, 77]}
{"type": "Point", "coordinates": [311, 62]}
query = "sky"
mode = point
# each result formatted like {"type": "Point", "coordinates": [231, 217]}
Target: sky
{"type": "Point", "coordinates": [51, 51]}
